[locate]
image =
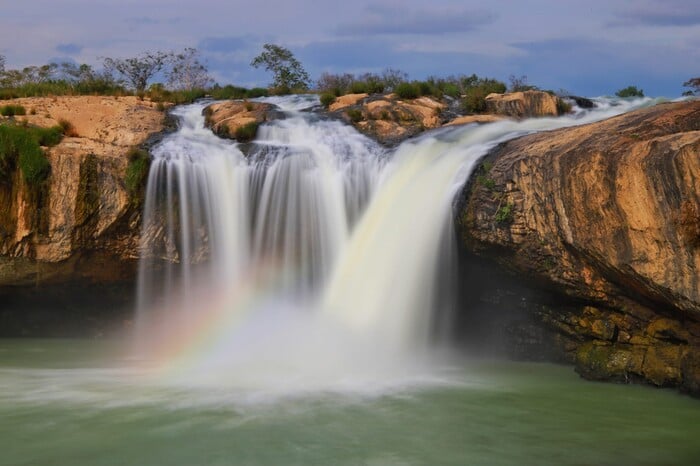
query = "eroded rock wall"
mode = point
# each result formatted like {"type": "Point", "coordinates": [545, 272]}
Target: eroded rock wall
{"type": "Point", "coordinates": [606, 214]}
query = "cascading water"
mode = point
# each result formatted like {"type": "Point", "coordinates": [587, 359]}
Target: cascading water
{"type": "Point", "coordinates": [316, 255]}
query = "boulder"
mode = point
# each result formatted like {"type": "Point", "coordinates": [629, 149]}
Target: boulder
{"type": "Point", "coordinates": [522, 104]}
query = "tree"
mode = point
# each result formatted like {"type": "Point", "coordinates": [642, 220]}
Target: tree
{"type": "Point", "coordinates": [520, 84]}
{"type": "Point", "coordinates": [2, 64]}
{"type": "Point", "coordinates": [694, 85]}
{"type": "Point", "coordinates": [137, 71]}
{"type": "Point", "coordinates": [188, 72]}
{"type": "Point", "coordinates": [287, 71]}
{"type": "Point", "coordinates": [630, 91]}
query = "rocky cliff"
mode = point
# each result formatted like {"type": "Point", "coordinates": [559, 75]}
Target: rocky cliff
{"type": "Point", "coordinates": [82, 226]}
{"type": "Point", "coordinates": [607, 215]}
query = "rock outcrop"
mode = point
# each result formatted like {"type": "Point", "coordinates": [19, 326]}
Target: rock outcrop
{"type": "Point", "coordinates": [236, 119]}
{"type": "Point", "coordinates": [82, 224]}
{"type": "Point", "coordinates": [387, 118]}
{"type": "Point", "coordinates": [608, 215]}
{"type": "Point", "coordinates": [522, 104]}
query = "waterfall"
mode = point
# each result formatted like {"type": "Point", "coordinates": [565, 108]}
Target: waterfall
{"type": "Point", "coordinates": [317, 252]}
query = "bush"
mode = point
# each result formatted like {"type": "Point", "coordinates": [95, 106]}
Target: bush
{"type": "Point", "coordinates": [475, 94]}
{"type": "Point", "coordinates": [630, 91]}
{"type": "Point", "coordinates": [504, 214]}
{"type": "Point", "coordinates": [358, 87]}
{"type": "Point", "coordinates": [563, 107]}
{"type": "Point", "coordinates": [34, 165]}
{"type": "Point", "coordinates": [247, 133]}
{"type": "Point", "coordinates": [136, 171]}
{"type": "Point", "coordinates": [257, 92]}
{"type": "Point", "coordinates": [327, 99]}
{"type": "Point", "coordinates": [47, 137]}
{"type": "Point", "coordinates": [406, 91]}
{"type": "Point", "coordinates": [12, 110]}
{"type": "Point", "coordinates": [229, 92]}
{"type": "Point", "coordinates": [354, 114]}
{"type": "Point", "coordinates": [67, 128]}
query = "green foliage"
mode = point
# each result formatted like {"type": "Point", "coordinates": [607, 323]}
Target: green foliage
{"type": "Point", "coordinates": [19, 146]}
{"type": "Point", "coordinates": [563, 107]}
{"type": "Point", "coordinates": [327, 99]}
{"type": "Point", "coordinates": [228, 92]}
{"type": "Point", "coordinates": [12, 110]}
{"type": "Point", "coordinates": [257, 92]}
{"type": "Point", "coordinates": [505, 213]}
{"type": "Point", "coordinates": [286, 69]}
{"type": "Point", "coordinates": [630, 91]}
{"type": "Point", "coordinates": [136, 171]}
{"type": "Point", "coordinates": [34, 165]}
{"type": "Point", "coordinates": [47, 137]}
{"type": "Point", "coordinates": [407, 91]}
{"type": "Point", "coordinates": [486, 182]}
{"type": "Point", "coordinates": [358, 87]}
{"type": "Point", "coordinates": [248, 132]}
{"type": "Point", "coordinates": [354, 114]}
{"type": "Point", "coordinates": [341, 84]}
{"type": "Point", "coordinates": [476, 90]}
{"type": "Point", "coordinates": [694, 85]}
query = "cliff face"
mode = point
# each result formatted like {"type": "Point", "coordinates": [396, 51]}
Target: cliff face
{"type": "Point", "coordinates": [82, 224]}
{"type": "Point", "coordinates": [608, 215]}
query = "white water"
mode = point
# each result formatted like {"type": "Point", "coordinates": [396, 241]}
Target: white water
{"type": "Point", "coordinates": [320, 257]}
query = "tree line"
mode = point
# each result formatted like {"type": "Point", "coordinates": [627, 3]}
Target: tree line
{"type": "Point", "coordinates": [186, 71]}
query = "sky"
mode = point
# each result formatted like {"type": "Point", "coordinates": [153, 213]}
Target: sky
{"type": "Point", "coordinates": [588, 48]}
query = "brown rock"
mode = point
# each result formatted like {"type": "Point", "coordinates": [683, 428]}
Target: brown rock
{"type": "Point", "coordinates": [662, 365]}
{"type": "Point", "coordinates": [344, 101]}
{"type": "Point", "coordinates": [226, 118]}
{"type": "Point", "coordinates": [595, 214]}
{"type": "Point", "coordinates": [469, 119]}
{"type": "Point", "coordinates": [84, 215]}
{"type": "Point", "coordinates": [522, 104]}
{"type": "Point", "coordinates": [605, 362]}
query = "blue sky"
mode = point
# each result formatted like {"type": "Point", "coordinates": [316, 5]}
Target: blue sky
{"type": "Point", "coordinates": [589, 48]}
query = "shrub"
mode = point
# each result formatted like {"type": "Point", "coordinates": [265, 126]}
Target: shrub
{"type": "Point", "coordinates": [12, 110]}
{"type": "Point", "coordinates": [475, 94]}
{"type": "Point", "coordinates": [563, 107]}
{"type": "Point", "coordinates": [228, 92]}
{"type": "Point", "coordinates": [34, 165]}
{"type": "Point", "coordinates": [327, 99]}
{"type": "Point", "coordinates": [630, 91]}
{"type": "Point", "coordinates": [354, 114]}
{"type": "Point", "coordinates": [47, 137]}
{"type": "Point", "coordinates": [21, 146]}
{"type": "Point", "coordinates": [247, 133]}
{"type": "Point", "coordinates": [67, 128]}
{"type": "Point", "coordinates": [358, 87]}
{"type": "Point", "coordinates": [406, 91]}
{"type": "Point", "coordinates": [504, 214]}
{"type": "Point", "coordinates": [257, 92]}
{"type": "Point", "coordinates": [136, 171]}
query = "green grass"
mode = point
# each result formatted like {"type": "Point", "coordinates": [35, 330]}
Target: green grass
{"type": "Point", "coordinates": [60, 87]}
{"type": "Point", "coordinates": [505, 213]}
{"type": "Point", "coordinates": [354, 114]}
{"type": "Point", "coordinates": [20, 147]}
{"type": "Point", "coordinates": [327, 99]}
{"type": "Point", "coordinates": [247, 133]}
{"type": "Point", "coordinates": [12, 110]}
{"type": "Point", "coordinates": [136, 171]}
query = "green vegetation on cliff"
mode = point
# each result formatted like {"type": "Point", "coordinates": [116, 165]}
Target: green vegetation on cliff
{"type": "Point", "coordinates": [136, 172]}
{"type": "Point", "coordinates": [20, 146]}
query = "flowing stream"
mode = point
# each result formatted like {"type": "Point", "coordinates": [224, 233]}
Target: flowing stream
{"type": "Point", "coordinates": [293, 296]}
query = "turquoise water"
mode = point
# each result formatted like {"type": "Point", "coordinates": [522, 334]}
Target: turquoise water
{"type": "Point", "coordinates": [63, 403]}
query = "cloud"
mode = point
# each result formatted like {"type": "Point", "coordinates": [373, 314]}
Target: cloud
{"type": "Point", "coordinates": [397, 19]}
{"type": "Point", "coordinates": [69, 49]}
{"type": "Point", "coordinates": [656, 13]}
{"type": "Point", "coordinates": [226, 44]}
